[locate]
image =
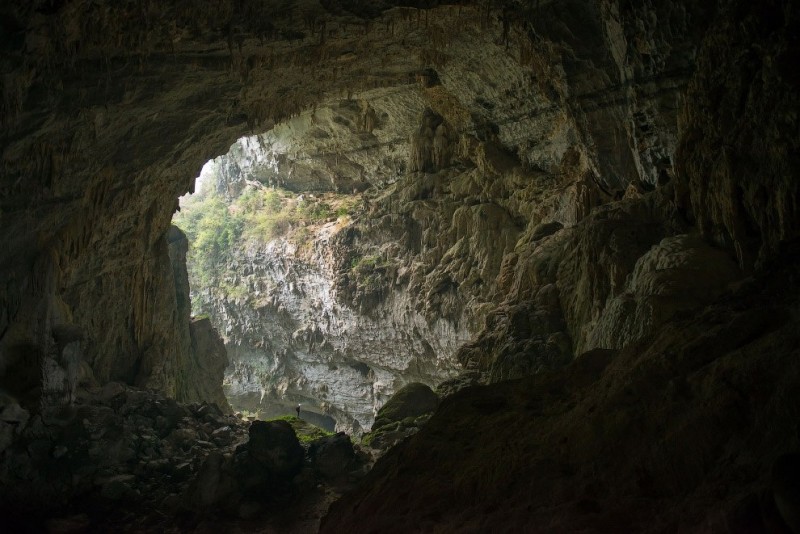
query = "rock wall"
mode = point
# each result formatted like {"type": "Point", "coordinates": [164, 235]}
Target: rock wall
{"type": "Point", "coordinates": [676, 414]}
{"type": "Point", "coordinates": [740, 123]}
{"type": "Point", "coordinates": [481, 178]}
{"type": "Point", "coordinates": [541, 171]}
{"type": "Point", "coordinates": [481, 131]}
{"type": "Point", "coordinates": [101, 134]}
{"type": "Point", "coordinates": [292, 340]}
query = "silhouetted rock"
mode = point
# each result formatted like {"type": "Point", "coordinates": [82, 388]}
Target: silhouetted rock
{"type": "Point", "coordinates": [332, 456]}
{"type": "Point", "coordinates": [410, 401]}
{"type": "Point", "coordinates": [274, 445]}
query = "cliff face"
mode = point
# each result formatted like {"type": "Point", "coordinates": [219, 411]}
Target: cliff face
{"type": "Point", "coordinates": [525, 115]}
{"type": "Point", "coordinates": [515, 130]}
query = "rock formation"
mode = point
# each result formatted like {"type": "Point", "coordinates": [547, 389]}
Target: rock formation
{"type": "Point", "coordinates": [588, 207]}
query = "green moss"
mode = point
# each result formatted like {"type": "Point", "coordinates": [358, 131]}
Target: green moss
{"type": "Point", "coordinates": [367, 438]}
{"type": "Point", "coordinates": [411, 401]}
{"type": "Point", "coordinates": [306, 432]}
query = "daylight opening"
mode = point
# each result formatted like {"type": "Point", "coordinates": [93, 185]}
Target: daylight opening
{"type": "Point", "coordinates": [256, 271]}
{"type": "Point", "coordinates": [310, 270]}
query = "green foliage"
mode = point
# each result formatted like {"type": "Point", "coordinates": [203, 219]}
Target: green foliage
{"type": "Point", "coordinates": [367, 264]}
{"type": "Point", "coordinates": [369, 271]}
{"type": "Point", "coordinates": [217, 229]}
{"type": "Point", "coordinates": [234, 292]}
{"type": "Point", "coordinates": [213, 231]}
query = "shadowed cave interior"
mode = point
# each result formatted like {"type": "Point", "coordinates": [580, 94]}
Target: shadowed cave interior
{"type": "Point", "coordinates": [472, 266]}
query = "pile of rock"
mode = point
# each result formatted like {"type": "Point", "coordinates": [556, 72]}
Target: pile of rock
{"type": "Point", "coordinates": [132, 459]}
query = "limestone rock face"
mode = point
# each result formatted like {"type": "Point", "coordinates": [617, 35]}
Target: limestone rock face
{"type": "Point", "coordinates": [209, 360]}
{"type": "Point", "coordinates": [466, 173]}
{"type": "Point", "coordinates": [553, 126]}
{"type": "Point", "coordinates": [203, 358]}
{"type": "Point", "coordinates": [291, 339]}
{"type": "Point", "coordinates": [620, 441]}
{"type": "Point", "coordinates": [737, 175]}
{"type": "Point", "coordinates": [412, 400]}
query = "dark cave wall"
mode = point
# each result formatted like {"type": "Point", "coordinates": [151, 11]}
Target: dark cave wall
{"type": "Point", "coordinates": [738, 157]}
{"type": "Point", "coordinates": [691, 429]}
{"type": "Point", "coordinates": [108, 112]}
{"type": "Point", "coordinates": [101, 134]}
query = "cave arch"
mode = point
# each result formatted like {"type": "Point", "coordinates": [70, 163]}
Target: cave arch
{"type": "Point", "coordinates": [653, 133]}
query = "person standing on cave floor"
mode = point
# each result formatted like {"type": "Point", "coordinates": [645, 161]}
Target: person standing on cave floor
{"type": "Point", "coordinates": [298, 411]}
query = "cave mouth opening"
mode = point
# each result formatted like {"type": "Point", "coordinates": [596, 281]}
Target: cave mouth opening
{"type": "Point", "coordinates": [256, 243]}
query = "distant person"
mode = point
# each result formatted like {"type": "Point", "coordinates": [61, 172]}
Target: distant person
{"type": "Point", "coordinates": [298, 411]}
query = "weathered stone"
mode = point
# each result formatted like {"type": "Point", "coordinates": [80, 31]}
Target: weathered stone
{"type": "Point", "coordinates": [631, 124]}
{"type": "Point", "coordinates": [117, 487]}
{"type": "Point", "coordinates": [184, 438]}
{"type": "Point", "coordinates": [412, 400]}
{"type": "Point", "coordinates": [682, 387]}
{"type": "Point", "coordinates": [6, 436]}
{"type": "Point", "coordinates": [332, 456]}
{"type": "Point", "coordinates": [545, 229]}
{"type": "Point", "coordinates": [14, 414]}
{"type": "Point", "coordinates": [212, 483]}
{"type": "Point", "coordinates": [274, 445]}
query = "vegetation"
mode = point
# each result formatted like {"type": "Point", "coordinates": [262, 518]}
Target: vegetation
{"type": "Point", "coordinates": [369, 271]}
{"type": "Point", "coordinates": [306, 432]}
{"type": "Point", "coordinates": [217, 229]}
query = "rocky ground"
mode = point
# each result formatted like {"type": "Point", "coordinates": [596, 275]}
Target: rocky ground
{"type": "Point", "coordinates": [130, 460]}
{"type": "Point", "coordinates": [693, 429]}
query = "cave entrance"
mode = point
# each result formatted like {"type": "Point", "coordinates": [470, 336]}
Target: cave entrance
{"type": "Point", "coordinates": [309, 255]}
{"type": "Point", "coordinates": [259, 270]}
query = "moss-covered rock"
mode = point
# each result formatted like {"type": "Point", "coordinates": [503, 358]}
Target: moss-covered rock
{"type": "Point", "coordinates": [402, 416]}
{"type": "Point", "coordinates": [305, 431]}
{"type": "Point", "coordinates": [412, 401]}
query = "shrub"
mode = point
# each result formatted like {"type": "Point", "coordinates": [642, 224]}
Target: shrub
{"type": "Point", "coordinates": [213, 232]}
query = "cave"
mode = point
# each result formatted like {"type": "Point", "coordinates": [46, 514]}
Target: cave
{"type": "Point", "coordinates": [497, 266]}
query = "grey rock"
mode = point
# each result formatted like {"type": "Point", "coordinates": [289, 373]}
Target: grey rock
{"type": "Point", "coordinates": [212, 484]}
{"type": "Point", "coordinates": [111, 390]}
{"type": "Point", "coordinates": [546, 229]}
{"type": "Point", "coordinates": [15, 414]}
{"type": "Point", "coordinates": [6, 435]}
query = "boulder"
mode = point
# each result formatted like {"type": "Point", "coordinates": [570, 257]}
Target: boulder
{"type": "Point", "coordinates": [14, 414]}
{"type": "Point", "coordinates": [412, 400]}
{"type": "Point", "coordinates": [274, 445]}
{"type": "Point", "coordinates": [117, 487]}
{"type": "Point", "coordinates": [332, 456]}
{"type": "Point", "coordinates": [212, 484]}
{"type": "Point", "coordinates": [6, 435]}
